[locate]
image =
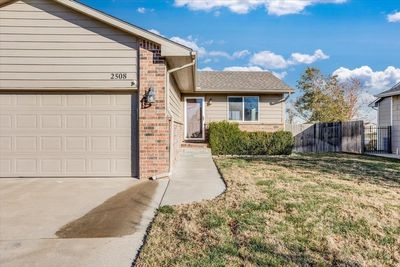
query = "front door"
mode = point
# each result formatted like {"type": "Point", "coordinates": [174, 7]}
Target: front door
{"type": "Point", "coordinates": [194, 119]}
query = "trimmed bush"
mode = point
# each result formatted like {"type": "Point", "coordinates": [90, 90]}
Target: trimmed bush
{"type": "Point", "coordinates": [282, 143]}
{"type": "Point", "coordinates": [227, 139]}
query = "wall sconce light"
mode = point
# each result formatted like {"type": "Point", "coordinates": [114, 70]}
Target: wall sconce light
{"type": "Point", "coordinates": [209, 102]}
{"type": "Point", "coordinates": [150, 96]}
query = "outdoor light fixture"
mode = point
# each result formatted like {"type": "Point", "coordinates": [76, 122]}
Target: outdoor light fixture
{"type": "Point", "coordinates": [150, 96]}
{"type": "Point", "coordinates": [209, 102]}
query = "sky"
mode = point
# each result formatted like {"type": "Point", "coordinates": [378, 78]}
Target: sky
{"type": "Point", "coordinates": [348, 38]}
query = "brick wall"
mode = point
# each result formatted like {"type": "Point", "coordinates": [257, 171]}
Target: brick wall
{"type": "Point", "coordinates": [261, 127]}
{"type": "Point", "coordinates": [154, 126]}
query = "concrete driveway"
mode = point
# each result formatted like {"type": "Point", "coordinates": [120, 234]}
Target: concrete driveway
{"type": "Point", "coordinates": [67, 222]}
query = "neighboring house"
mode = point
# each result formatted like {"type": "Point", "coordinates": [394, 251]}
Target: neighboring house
{"type": "Point", "coordinates": [83, 94]}
{"type": "Point", "coordinates": [388, 106]}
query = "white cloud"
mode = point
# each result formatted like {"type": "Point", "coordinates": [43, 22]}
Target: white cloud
{"type": "Point", "coordinates": [219, 54]}
{"type": "Point", "coordinates": [280, 75]}
{"type": "Point", "coordinates": [155, 32]}
{"type": "Point", "coordinates": [202, 51]}
{"type": "Point", "coordinates": [286, 7]}
{"type": "Point", "coordinates": [235, 55]}
{"type": "Point", "coordinates": [297, 58]}
{"type": "Point", "coordinates": [243, 68]}
{"type": "Point", "coordinates": [274, 7]}
{"type": "Point", "coordinates": [208, 42]}
{"type": "Point", "coordinates": [241, 54]}
{"type": "Point", "coordinates": [269, 60]}
{"type": "Point", "coordinates": [191, 43]}
{"type": "Point", "coordinates": [141, 10]}
{"type": "Point", "coordinates": [206, 69]}
{"type": "Point", "coordinates": [375, 81]}
{"type": "Point", "coordinates": [188, 42]}
{"type": "Point", "coordinates": [394, 17]}
{"type": "Point", "coordinates": [372, 82]}
{"type": "Point", "coordinates": [217, 13]}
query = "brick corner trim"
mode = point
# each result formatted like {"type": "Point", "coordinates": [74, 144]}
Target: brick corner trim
{"type": "Point", "coordinates": [154, 126]}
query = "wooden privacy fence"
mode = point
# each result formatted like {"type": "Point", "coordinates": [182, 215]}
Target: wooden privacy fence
{"type": "Point", "coordinates": [296, 128]}
{"type": "Point", "coordinates": [331, 137]}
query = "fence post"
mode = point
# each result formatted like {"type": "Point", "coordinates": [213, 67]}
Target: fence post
{"type": "Point", "coordinates": [362, 132]}
{"type": "Point", "coordinates": [340, 137]}
{"type": "Point", "coordinates": [390, 139]}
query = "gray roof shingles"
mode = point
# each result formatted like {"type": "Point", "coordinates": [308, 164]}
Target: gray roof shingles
{"type": "Point", "coordinates": [240, 81]}
{"type": "Point", "coordinates": [395, 90]}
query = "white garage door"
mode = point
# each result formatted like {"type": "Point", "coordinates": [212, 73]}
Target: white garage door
{"type": "Point", "coordinates": [68, 135]}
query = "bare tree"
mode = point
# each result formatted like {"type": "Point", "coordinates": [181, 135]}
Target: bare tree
{"type": "Point", "coordinates": [325, 98]}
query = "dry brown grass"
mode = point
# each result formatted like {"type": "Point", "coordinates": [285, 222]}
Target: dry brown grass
{"type": "Point", "coordinates": [302, 210]}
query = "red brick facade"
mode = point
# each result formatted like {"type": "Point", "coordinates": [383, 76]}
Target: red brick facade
{"type": "Point", "coordinates": [154, 126]}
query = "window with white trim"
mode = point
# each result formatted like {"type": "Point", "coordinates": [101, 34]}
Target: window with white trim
{"type": "Point", "coordinates": [243, 108]}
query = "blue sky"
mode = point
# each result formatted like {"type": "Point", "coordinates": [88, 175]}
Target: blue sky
{"type": "Point", "coordinates": [351, 38]}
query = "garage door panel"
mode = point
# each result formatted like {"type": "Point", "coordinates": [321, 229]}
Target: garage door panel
{"type": "Point", "coordinates": [5, 143]}
{"type": "Point", "coordinates": [5, 121]}
{"type": "Point", "coordinates": [76, 121]}
{"type": "Point", "coordinates": [100, 100]}
{"type": "Point", "coordinates": [122, 164]}
{"type": "Point", "coordinates": [100, 143]}
{"type": "Point", "coordinates": [27, 100]}
{"type": "Point", "coordinates": [60, 137]}
{"type": "Point", "coordinates": [25, 166]}
{"type": "Point", "coordinates": [50, 166]}
{"type": "Point", "coordinates": [51, 143]}
{"type": "Point", "coordinates": [5, 165]}
{"type": "Point", "coordinates": [26, 143]}
{"type": "Point", "coordinates": [24, 121]}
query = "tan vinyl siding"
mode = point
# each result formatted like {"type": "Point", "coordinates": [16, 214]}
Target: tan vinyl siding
{"type": "Point", "coordinates": [384, 112]}
{"type": "Point", "coordinates": [396, 124]}
{"type": "Point", "coordinates": [270, 112]}
{"type": "Point", "coordinates": [175, 102]}
{"type": "Point", "coordinates": [46, 45]}
{"type": "Point", "coordinates": [218, 110]}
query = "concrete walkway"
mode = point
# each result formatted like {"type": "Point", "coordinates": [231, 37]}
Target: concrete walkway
{"type": "Point", "coordinates": [384, 155]}
{"type": "Point", "coordinates": [195, 178]}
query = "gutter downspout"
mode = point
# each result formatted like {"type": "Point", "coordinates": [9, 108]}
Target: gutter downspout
{"type": "Point", "coordinates": [283, 99]}
{"type": "Point", "coordinates": [170, 118]}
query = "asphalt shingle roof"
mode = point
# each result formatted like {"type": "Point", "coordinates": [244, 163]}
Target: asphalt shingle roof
{"type": "Point", "coordinates": [241, 81]}
{"type": "Point", "coordinates": [395, 90]}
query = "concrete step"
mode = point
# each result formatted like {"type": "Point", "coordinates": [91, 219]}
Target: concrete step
{"type": "Point", "coordinates": [194, 145]}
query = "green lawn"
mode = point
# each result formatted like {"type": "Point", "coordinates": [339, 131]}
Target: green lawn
{"type": "Point", "coordinates": [301, 210]}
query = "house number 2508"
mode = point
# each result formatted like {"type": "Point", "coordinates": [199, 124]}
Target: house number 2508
{"type": "Point", "coordinates": [119, 76]}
